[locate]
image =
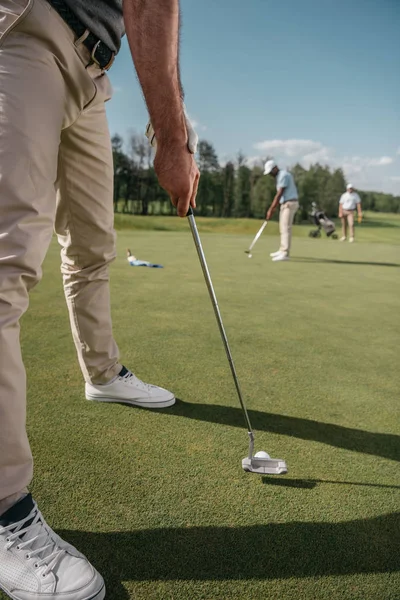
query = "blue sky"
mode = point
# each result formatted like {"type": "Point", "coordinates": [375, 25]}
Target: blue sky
{"type": "Point", "coordinates": [316, 80]}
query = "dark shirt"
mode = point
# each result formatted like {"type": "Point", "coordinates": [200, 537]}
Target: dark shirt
{"type": "Point", "coordinates": [103, 18]}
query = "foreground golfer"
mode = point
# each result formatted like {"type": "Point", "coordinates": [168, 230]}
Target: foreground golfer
{"type": "Point", "coordinates": [287, 197]}
{"type": "Point", "coordinates": [54, 136]}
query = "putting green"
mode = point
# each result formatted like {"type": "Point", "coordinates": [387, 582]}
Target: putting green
{"type": "Point", "coordinates": [158, 500]}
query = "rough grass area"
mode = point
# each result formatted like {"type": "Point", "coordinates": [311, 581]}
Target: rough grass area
{"type": "Point", "coordinates": [158, 500]}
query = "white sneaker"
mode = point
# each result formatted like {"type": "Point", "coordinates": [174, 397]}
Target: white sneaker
{"type": "Point", "coordinates": [280, 256]}
{"type": "Point", "coordinates": [36, 564]}
{"type": "Point", "coordinates": [275, 253]}
{"type": "Point", "coordinates": [342, 239]}
{"type": "Point", "coordinates": [128, 389]}
{"type": "Point", "coordinates": [351, 240]}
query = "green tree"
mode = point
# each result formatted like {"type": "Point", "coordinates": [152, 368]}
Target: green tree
{"type": "Point", "coordinates": [228, 189]}
{"type": "Point", "coordinates": [386, 203]}
{"type": "Point", "coordinates": [308, 193]}
{"type": "Point", "coordinates": [242, 188]}
{"type": "Point", "coordinates": [122, 171]}
{"type": "Point", "coordinates": [334, 188]}
{"type": "Point", "coordinates": [231, 190]}
{"type": "Point", "coordinates": [210, 192]}
{"type": "Point", "coordinates": [207, 158]}
{"type": "Point", "coordinates": [262, 195]}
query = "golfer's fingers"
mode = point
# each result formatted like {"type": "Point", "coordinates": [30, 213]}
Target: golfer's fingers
{"type": "Point", "coordinates": [183, 205]}
{"type": "Point", "coordinates": [194, 191]}
{"type": "Point", "coordinates": [174, 200]}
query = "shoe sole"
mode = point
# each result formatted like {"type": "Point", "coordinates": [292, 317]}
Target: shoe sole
{"type": "Point", "coordinates": [98, 595]}
{"type": "Point", "coordinates": [140, 403]}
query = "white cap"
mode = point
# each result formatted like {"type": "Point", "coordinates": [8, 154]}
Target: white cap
{"type": "Point", "coordinates": [349, 185]}
{"type": "Point", "coordinates": [269, 165]}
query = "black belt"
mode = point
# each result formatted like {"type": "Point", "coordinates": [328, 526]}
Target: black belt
{"type": "Point", "coordinates": [100, 53]}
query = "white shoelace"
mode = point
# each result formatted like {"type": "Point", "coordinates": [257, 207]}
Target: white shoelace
{"type": "Point", "coordinates": [36, 539]}
{"type": "Point", "coordinates": [131, 379]}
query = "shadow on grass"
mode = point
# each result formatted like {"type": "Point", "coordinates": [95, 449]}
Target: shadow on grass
{"type": "Point", "coordinates": [263, 552]}
{"type": "Point", "coordinates": [309, 259]}
{"type": "Point", "coordinates": [310, 484]}
{"type": "Point", "coordinates": [378, 444]}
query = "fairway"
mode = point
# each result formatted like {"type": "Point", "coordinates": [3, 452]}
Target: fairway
{"type": "Point", "coordinates": [158, 500]}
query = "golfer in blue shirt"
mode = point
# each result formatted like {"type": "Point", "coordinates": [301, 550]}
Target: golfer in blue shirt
{"type": "Point", "coordinates": [288, 199]}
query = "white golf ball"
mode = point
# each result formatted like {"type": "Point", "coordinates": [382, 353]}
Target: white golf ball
{"type": "Point", "coordinates": [262, 454]}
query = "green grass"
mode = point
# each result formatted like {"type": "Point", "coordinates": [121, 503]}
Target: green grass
{"type": "Point", "coordinates": [376, 227]}
{"type": "Point", "coordinates": [158, 500]}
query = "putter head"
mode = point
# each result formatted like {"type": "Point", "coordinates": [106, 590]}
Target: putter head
{"type": "Point", "coordinates": [264, 466]}
{"type": "Point", "coordinates": [249, 253]}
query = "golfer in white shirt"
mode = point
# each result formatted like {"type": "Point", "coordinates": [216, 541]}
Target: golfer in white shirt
{"type": "Point", "coordinates": [348, 203]}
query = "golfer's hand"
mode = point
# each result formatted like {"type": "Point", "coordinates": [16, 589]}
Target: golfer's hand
{"type": "Point", "coordinates": [178, 174]}
{"type": "Point", "coordinates": [176, 168]}
{"type": "Point", "coordinates": [269, 214]}
{"type": "Point", "coordinates": [359, 218]}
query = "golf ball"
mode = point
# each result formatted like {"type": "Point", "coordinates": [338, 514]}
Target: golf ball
{"type": "Point", "coordinates": [262, 454]}
{"type": "Point", "coordinates": [249, 255]}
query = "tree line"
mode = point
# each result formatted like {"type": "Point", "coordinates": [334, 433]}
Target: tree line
{"type": "Point", "coordinates": [230, 190]}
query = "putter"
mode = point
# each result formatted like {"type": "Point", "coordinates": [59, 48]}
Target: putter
{"type": "Point", "coordinates": [261, 462]}
{"type": "Point", "coordinates": [253, 243]}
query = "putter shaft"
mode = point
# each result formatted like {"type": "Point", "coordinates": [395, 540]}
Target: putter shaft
{"type": "Point", "coordinates": [258, 234]}
{"type": "Point", "coordinates": [207, 277]}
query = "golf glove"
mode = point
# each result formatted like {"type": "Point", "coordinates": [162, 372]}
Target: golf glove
{"type": "Point", "coordinates": [193, 138]}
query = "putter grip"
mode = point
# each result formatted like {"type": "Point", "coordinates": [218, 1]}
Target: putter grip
{"type": "Point", "coordinates": [189, 212]}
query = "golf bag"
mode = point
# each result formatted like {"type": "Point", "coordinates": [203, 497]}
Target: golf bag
{"type": "Point", "coordinates": [319, 218]}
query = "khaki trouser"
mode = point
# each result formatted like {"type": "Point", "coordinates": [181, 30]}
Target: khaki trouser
{"type": "Point", "coordinates": [286, 216]}
{"type": "Point", "coordinates": [53, 136]}
{"type": "Point", "coordinates": [349, 216]}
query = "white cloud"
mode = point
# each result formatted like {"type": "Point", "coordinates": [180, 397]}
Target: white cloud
{"type": "Point", "coordinates": [307, 152]}
{"type": "Point", "coordinates": [253, 161]}
{"type": "Point", "coordinates": [356, 164]}
{"type": "Point", "coordinates": [322, 156]}
{"type": "Point", "coordinates": [289, 148]}
{"type": "Point", "coordinates": [364, 171]}
{"type": "Point", "coordinates": [380, 162]}
{"type": "Point", "coordinates": [395, 178]}
{"type": "Point", "coordinates": [310, 151]}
